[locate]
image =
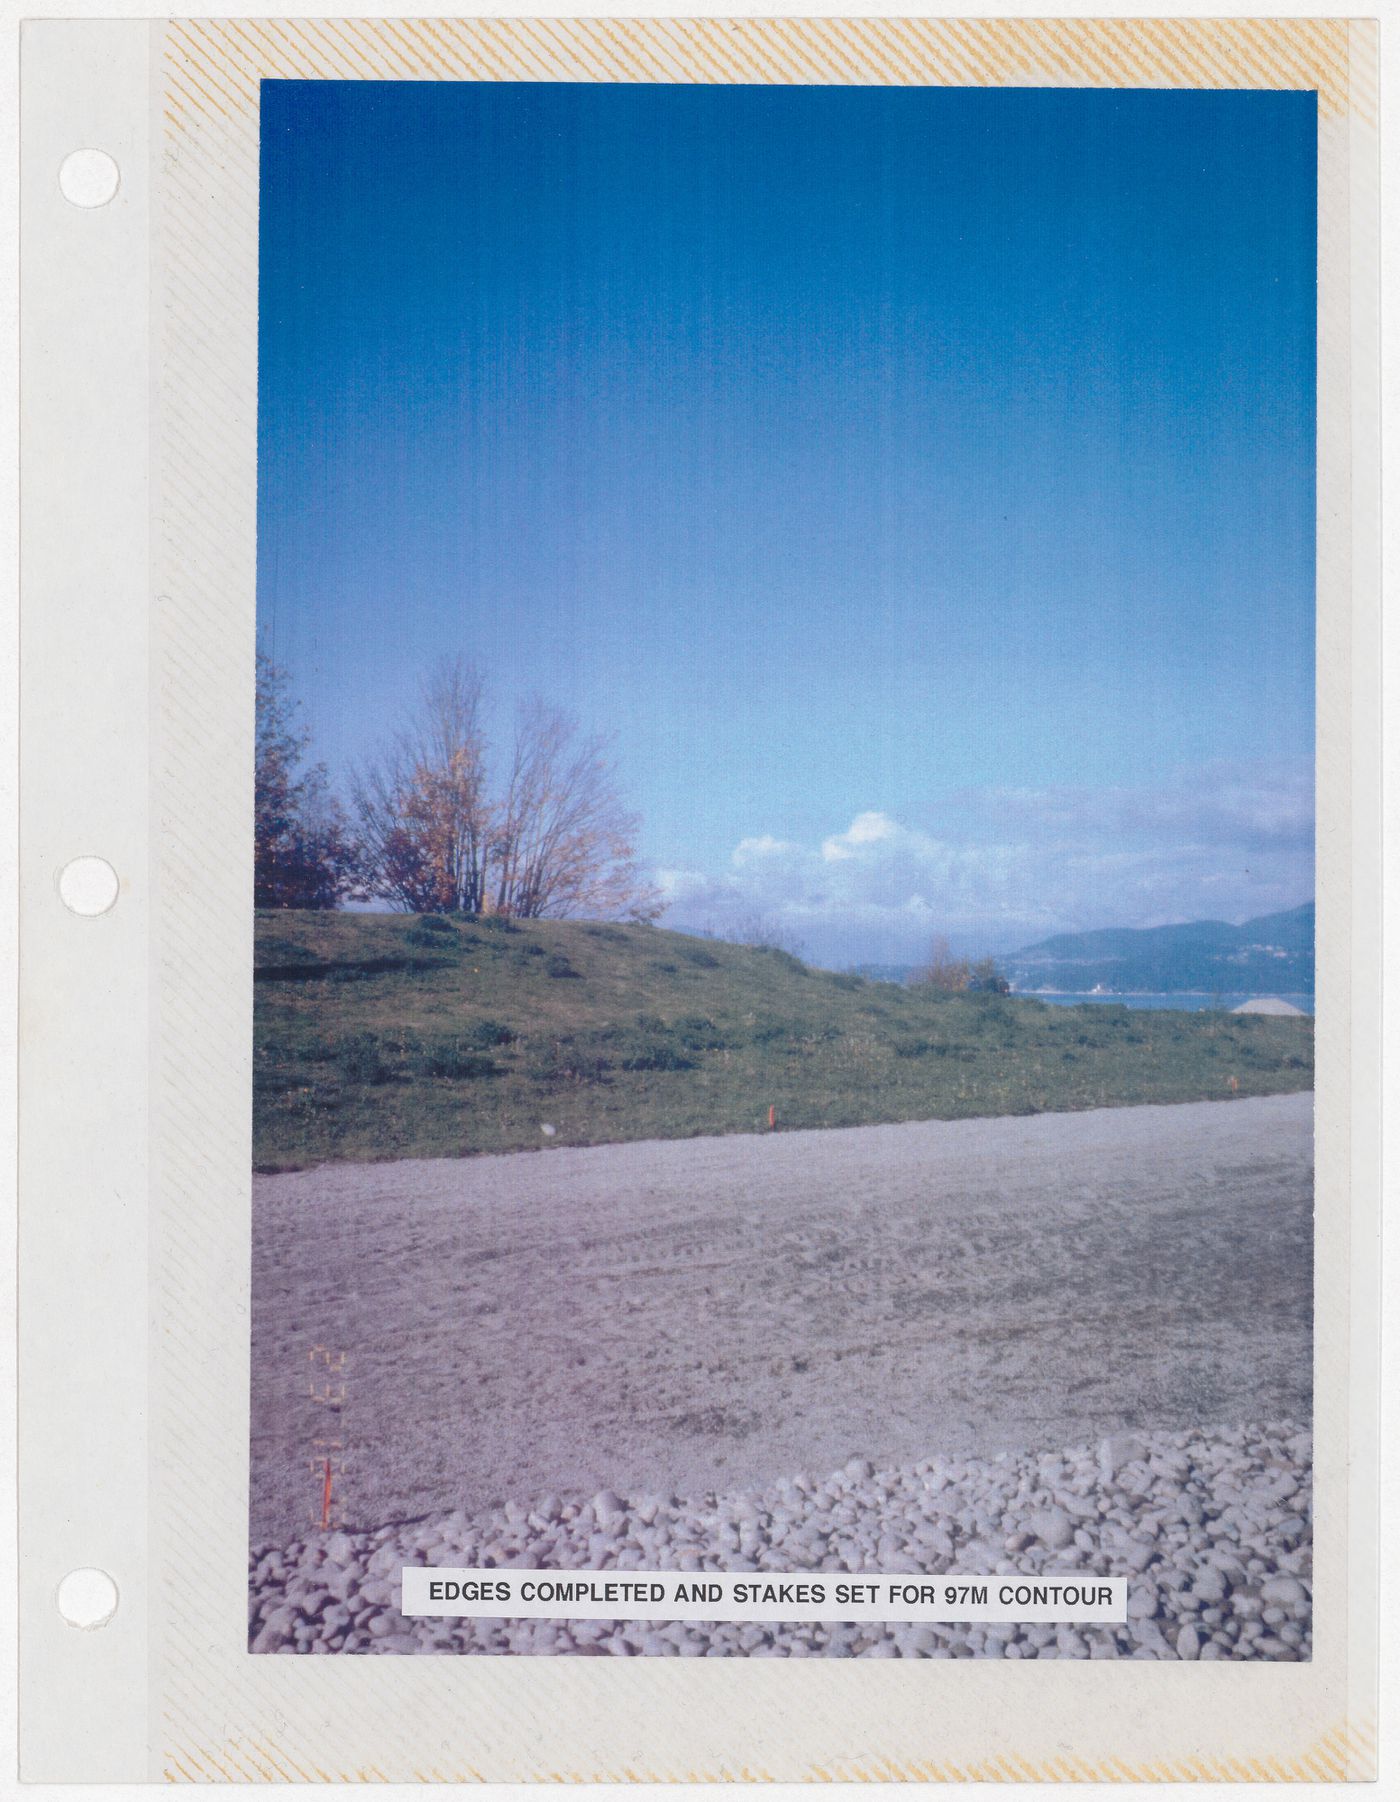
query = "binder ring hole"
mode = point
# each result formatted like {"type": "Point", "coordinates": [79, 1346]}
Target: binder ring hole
{"type": "Point", "coordinates": [88, 178]}
{"type": "Point", "coordinates": [87, 1599]}
{"type": "Point", "coordinates": [88, 885]}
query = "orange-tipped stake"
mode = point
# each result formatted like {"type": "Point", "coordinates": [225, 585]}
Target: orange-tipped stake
{"type": "Point", "coordinates": [326, 1497]}
{"type": "Point", "coordinates": [772, 1118]}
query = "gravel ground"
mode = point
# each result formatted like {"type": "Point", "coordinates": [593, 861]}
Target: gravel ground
{"type": "Point", "coordinates": [1212, 1528]}
{"type": "Point", "coordinates": [616, 1357]}
{"type": "Point", "coordinates": [710, 1315]}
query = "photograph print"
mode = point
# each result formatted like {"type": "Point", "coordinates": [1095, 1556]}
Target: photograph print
{"type": "Point", "coordinates": [784, 857]}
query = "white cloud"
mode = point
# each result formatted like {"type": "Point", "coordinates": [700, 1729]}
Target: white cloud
{"type": "Point", "coordinates": [864, 830]}
{"type": "Point", "coordinates": [751, 850]}
{"type": "Point", "coordinates": [1010, 866]}
{"type": "Point", "coordinates": [1257, 805]}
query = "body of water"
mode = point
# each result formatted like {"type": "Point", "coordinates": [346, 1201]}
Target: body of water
{"type": "Point", "coordinates": [1183, 1003]}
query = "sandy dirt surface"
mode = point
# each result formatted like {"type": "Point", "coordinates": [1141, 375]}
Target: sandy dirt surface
{"type": "Point", "coordinates": [712, 1314]}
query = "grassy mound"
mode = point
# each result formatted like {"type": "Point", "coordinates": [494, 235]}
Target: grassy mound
{"type": "Point", "coordinates": [389, 1036]}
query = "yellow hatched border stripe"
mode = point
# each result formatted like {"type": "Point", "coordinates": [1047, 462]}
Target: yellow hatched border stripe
{"type": "Point", "coordinates": [1345, 1752]}
{"type": "Point", "coordinates": [213, 66]}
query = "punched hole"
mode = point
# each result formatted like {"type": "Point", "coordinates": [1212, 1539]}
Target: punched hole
{"type": "Point", "coordinates": [87, 1599]}
{"type": "Point", "coordinates": [88, 885]}
{"type": "Point", "coordinates": [88, 177]}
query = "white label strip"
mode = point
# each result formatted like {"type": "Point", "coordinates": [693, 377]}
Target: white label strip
{"type": "Point", "coordinates": [764, 1596]}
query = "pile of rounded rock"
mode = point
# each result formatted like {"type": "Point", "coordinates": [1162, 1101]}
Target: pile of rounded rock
{"type": "Point", "coordinates": [1213, 1529]}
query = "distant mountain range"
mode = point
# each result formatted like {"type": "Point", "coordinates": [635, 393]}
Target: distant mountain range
{"type": "Point", "coordinates": [1263, 956]}
{"type": "Point", "coordinates": [1267, 956]}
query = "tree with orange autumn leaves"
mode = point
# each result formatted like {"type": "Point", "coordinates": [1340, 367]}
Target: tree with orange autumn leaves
{"type": "Point", "coordinates": [551, 838]}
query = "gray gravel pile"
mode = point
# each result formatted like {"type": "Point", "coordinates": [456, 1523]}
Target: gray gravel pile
{"type": "Point", "coordinates": [1213, 1529]}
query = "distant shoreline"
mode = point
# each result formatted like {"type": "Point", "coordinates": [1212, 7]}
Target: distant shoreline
{"type": "Point", "coordinates": [1165, 999]}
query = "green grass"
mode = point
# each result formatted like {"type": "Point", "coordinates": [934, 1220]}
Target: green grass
{"type": "Point", "coordinates": [386, 1036]}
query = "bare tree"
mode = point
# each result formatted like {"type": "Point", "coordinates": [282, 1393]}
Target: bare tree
{"type": "Point", "coordinates": [765, 932]}
{"type": "Point", "coordinates": [555, 840]}
{"type": "Point", "coordinates": [563, 841]}
{"type": "Point", "coordinates": [425, 821]}
{"type": "Point", "coordinates": [947, 974]}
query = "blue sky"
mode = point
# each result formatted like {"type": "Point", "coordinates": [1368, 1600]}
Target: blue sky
{"type": "Point", "coordinates": [918, 482]}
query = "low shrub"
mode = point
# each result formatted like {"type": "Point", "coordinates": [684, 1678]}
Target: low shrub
{"type": "Point", "coordinates": [786, 961]}
{"type": "Point", "coordinates": [456, 1063]}
{"type": "Point", "coordinates": [564, 1061]}
{"type": "Point", "coordinates": [697, 1033]}
{"type": "Point", "coordinates": [361, 1060]}
{"type": "Point", "coordinates": [285, 951]}
{"type": "Point", "coordinates": [658, 1056]}
{"type": "Point", "coordinates": [483, 1034]}
{"type": "Point", "coordinates": [429, 938]}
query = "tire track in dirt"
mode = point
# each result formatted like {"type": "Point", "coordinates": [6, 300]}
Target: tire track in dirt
{"type": "Point", "coordinates": [708, 1314]}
